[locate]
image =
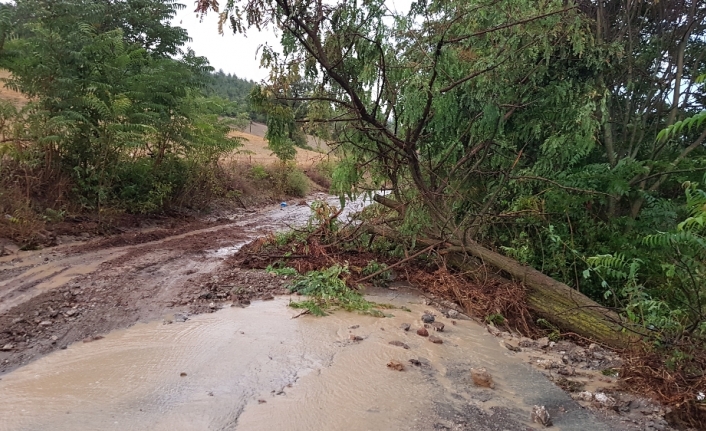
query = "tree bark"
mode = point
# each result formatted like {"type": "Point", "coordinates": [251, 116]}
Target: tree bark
{"type": "Point", "coordinates": [556, 302]}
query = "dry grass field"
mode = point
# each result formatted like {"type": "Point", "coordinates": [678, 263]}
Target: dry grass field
{"type": "Point", "coordinates": [18, 99]}
{"type": "Point", "coordinates": [255, 150]}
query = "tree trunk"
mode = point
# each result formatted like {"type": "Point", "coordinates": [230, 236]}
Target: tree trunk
{"type": "Point", "coordinates": [547, 298]}
{"type": "Point", "coordinates": [556, 302]}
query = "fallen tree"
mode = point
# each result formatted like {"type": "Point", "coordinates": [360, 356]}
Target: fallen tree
{"type": "Point", "coordinates": [558, 303]}
{"type": "Point", "coordinates": [469, 122]}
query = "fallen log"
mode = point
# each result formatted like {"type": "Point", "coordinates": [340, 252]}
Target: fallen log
{"type": "Point", "coordinates": [558, 303]}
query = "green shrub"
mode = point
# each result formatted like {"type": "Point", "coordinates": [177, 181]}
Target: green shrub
{"type": "Point", "coordinates": [383, 278]}
{"type": "Point", "coordinates": [259, 173]}
{"type": "Point", "coordinates": [297, 184]}
{"type": "Point", "coordinates": [327, 291]}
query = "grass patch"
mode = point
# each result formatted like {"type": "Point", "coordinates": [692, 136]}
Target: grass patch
{"type": "Point", "coordinates": [281, 270]}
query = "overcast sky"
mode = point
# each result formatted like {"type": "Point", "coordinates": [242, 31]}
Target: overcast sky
{"type": "Point", "coordinates": [236, 53]}
{"type": "Point", "coordinates": [233, 53]}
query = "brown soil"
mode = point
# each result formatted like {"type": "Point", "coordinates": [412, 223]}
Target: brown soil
{"type": "Point", "coordinates": [57, 296]}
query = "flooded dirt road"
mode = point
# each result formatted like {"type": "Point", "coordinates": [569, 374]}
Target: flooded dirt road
{"type": "Point", "coordinates": [53, 297]}
{"type": "Point", "coordinates": [257, 368]}
{"type": "Point", "coordinates": [73, 356]}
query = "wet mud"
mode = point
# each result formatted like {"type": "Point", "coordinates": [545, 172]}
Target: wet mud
{"type": "Point", "coordinates": [160, 331]}
{"type": "Point", "coordinates": [258, 368]}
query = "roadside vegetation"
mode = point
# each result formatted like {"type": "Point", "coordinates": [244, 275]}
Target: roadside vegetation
{"type": "Point", "coordinates": [120, 119]}
{"type": "Point", "coordinates": [559, 143]}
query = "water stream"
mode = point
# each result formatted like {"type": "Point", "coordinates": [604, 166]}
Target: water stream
{"type": "Point", "coordinates": [258, 368]}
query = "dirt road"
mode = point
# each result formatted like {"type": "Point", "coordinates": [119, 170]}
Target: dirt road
{"type": "Point", "coordinates": [54, 297]}
{"type": "Point", "coordinates": [64, 313]}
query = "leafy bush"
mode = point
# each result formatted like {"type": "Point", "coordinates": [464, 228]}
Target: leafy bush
{"type": "Point", "coordinates": [297, 184]}
{"type": "Point", "coordinates": [281, 270]}
{"type": "Point", "coordinates": [258, 172]}
{"type": "Point", "coordinates": [663, 287]}
{"type": "Point", "coordinates": [125, 119]}
{"type": "Point", "coordinates": [383, 278]}
{"type": "Point", "coordinates": [327, 291]}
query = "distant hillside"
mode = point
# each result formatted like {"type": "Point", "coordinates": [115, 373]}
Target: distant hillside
{"type": "Point", "coordinates": [235, 90]}
{"type": "Point", "coordinates": [231, 87]}
{"type": "Point", "coordinates": [259, 130]}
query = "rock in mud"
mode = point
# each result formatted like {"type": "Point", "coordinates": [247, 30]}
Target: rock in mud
{"type": "Point", "coordinates": [604, 399]}
{"type": "Point", "coordinates": [182, 374]}
{"type": "Point", "coordinates": [261, 401]}
{"type": "Point", "coordinates": [567, 371]}
{"type": "Point", "coordinates": [415, 362]}
{"type": "Point", "coordinates": [543, 343]}
{"type": "Point", "coordinates": [395, 365]}
{"type": "Point", "coordinates": [356, 337]}
{"type": "Point", "coordinates": [399, 344]}
{"type": "Point", "coordinates": [45, 323]}
{"type": "Point", "coordinates": [423, 332]}
{"type": "Point", "coordinates": [453, 314]}
{"type": "Point", "coordinates": [436, 340]}
{"type": "Point", "coordinates": [212, 306]}
{"type": "Point", "coordinates": [354, 327]}
{"type": "Point", "coordinates": [7, 347]}
{"type": "Point", "coordinates": [541, 416]}
{"type": "Point", "coordinates": [583, 396]}
{"type": "Point", "coordinates": [438, 326]}
{"type": "Point", "coordinates": [54, 338]}
{"type": "Point", "coordinates": [405, 326]}
{"type": "Point", "coordinates": [71, 312]}
{"type": "Point", "coordinates": [481, 377]}
{"type": "Point", "coordinates": [512, 347]}
{"type": "Point", "coordinates": [427, 318]}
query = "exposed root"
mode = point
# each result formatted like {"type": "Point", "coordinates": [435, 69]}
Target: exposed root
{"type": "Point", "coordinates": [675, 383]}
{"type": "Point", "coordinates": [491, 298]}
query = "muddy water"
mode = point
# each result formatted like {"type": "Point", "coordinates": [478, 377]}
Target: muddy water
{"type": "Point", "coordinates": [291, 216]}
{"type": "Point", "coordinates": [260, 369]}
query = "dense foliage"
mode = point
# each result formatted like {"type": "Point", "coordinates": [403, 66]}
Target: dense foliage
{"type": "Point", "coordinates": [237, 92]}
{"type": "Point", "coordinates": [532, 127]}
{"type": "Point", "coordinates": [117, 111]}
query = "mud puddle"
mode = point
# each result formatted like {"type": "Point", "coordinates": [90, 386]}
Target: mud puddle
{"type": "Point", "coordinates": [258, 368]}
